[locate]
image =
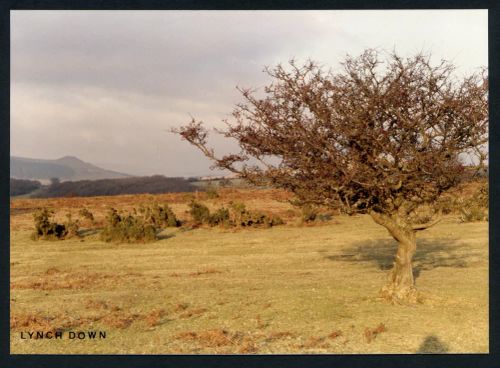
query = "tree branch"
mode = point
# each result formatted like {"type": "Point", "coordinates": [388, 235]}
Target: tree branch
{"type": "Point", "coordinates": [418, 227]}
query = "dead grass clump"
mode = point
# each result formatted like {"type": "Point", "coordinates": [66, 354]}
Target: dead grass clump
{"type": "Point", "coordinates": [186, 336]}
{"type": "Point", "coordinates": [52, 271]}
{"type": "Point", "coordinates": [278, 335]}
{"type": "Point", "coordinates": [54, 280]}
{"type": "Point", "coordinates": [55, 323]}
{"type": "Point", "coordinates": [247, 346]}
{"type": "Point", "coordinates": [217, 338]}
{"type": "Point", "coordinates": [154, 317]}
{"type": "Point", "coordinates": [205, 272]}
{"type": "Point", "coordinates": [335, 334]}
{"type": "Point", "coordinates": [211, 338]}
{"type": "Point", "coordinates": [192, 312]}
{"type": "Point", "coordinates": [120, 320]}
{"type": "Point", "coordinates": [179, 307]}
{"type": "Point", "coordinates": [371, 333]}
{"type": "Point", "coordinates": [315, 342]}
{"type": "Point", "coordinates": [33, 322]}
{"type": "Point", "coordinates": [260, 323]}
{"type": "Point", "coordinates": [101, 305]}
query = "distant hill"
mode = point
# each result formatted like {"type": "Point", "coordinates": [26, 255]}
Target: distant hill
{"type": "Point", "coordinates": [65, 168]}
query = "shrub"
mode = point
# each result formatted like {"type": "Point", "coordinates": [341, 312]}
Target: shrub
{"type": "Point", "coordinates": [46, 229]}
{"type": "Point", "coordinates": [422, 214]}
{"type": "Point", "coordinates": [236, 215]}
{"type": "Point", "coordinates": [476, 207]}
{"type": "Point", "coordinates": [172, 220]}
{"type": "Point", "coordinates": [312, 214]}
{"type": "Point", "coordinates": [199, 212]}
{"type": "Point", "coordinates": [309, 213]}
{"type": "Point", "coordinates": [127, 229]}
{"type": "Point", "coordinates": [159, 216]}
{"type": "Point", "coordinates": [473, 213]}
{"type": "Point", "coordinates": [71, 226]}
{"type": "Point", "coordinates": [220, 217]}
{"type": "Point", "coordinates": [482, 195]}
{"type": "Point", "coordinates": [242, 217]}
{"type": "Point", "coordinates": [238, 211]}
{"type": "Point", "coordinates": [447, 204]}
{"type": "Point", "coordinates": [259, 219]}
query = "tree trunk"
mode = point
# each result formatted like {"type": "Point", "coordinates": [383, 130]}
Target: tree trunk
{"type": "Point", "coordinates": [400, 285]}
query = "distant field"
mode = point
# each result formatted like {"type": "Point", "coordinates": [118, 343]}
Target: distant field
{"type": "Point", "coordinates": [287, 289]}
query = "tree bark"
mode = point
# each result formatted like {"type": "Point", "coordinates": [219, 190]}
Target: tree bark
{"type": "Point", "coordinates": [400, 285]}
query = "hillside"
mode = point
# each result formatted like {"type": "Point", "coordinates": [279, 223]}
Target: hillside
{"type": "Point", "coordinates": [65, 168]}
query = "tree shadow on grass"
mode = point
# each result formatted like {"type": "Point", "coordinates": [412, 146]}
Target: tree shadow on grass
{"type": "Point", "coordinates": [431, 253]}
{"type": "Point", "coordinates": [432, 345]}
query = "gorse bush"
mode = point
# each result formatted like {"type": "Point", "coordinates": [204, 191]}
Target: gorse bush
{"type": "Point", "coordinates": [475, 208]}
{"type": "Point", "coordinates": [127, 229]}
{"type": "Point", "coordinates": [49, 230]}
{"type": "Point", "coordinates": [482, 195]}
{"type": "Point", "coordinates": [236, 215]}
{"type": "Point", "coordinates": [471, 213]}
{"type": "Point", "coordinates": [141, 226]}
{"type": "Point", "coordinates": [309, 213]}
{"type": "Point", "coordinates": [199, 212]}
{"type": "Point", "coordinates": [220, 217]}
{"type": "Point", "coordinates": [72, 226]}
{"type": "Point", "coordinates": [245, 218]}
{"type": "Point", "coordinates": [447, 205]}
{"type": "Point", "coordinates": [45, 228]}
{"type": "Point", "coordinates": [159, 216]}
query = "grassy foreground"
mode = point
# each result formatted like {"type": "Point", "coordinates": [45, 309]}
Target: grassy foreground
{"type": "Point", "coordinates": [288, 289]}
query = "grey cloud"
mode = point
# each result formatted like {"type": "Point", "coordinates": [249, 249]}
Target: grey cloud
{"type": "Point", "coordinates": [105, 86]}
{"type": "Point", "coordinates": [167, 53]}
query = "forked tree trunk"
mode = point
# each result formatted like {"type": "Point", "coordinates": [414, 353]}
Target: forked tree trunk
{"type": "Point", "coordinates": [400, 285]}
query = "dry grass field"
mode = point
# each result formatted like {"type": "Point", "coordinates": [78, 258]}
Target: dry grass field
{"type": "Point", "coordinates": [285, 289]}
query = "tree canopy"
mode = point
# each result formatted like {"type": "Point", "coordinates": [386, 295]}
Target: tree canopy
{"type": "Point", "coordinates": [382, 134]}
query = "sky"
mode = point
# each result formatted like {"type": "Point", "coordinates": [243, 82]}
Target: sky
{"type": "Point", "coordinates": [107, 86]}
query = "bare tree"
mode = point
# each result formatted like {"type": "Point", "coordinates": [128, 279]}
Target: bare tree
{"type": "Point", "coordinates": [382, 136]}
